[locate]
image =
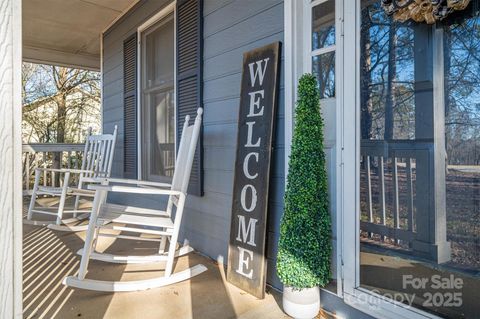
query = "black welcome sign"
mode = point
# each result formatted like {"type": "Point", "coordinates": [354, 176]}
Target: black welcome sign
{"type": "Point", "coordinates": [258, 101]}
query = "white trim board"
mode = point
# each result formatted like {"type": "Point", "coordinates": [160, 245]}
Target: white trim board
{"type": "Point", "coordinates": [101, 85]}
{"type": "Point", "coordinates": [120, 16]}
{"type": "Point", "coordinates": [61, 58]}
{"type": "Point", "coordinates": [10, 155]}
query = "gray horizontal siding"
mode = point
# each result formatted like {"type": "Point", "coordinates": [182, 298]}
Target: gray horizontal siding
{"type": "Point", "coordinates": [225, 134]}
{"type": "Point", "coordinates": [245, 10]}
{"type": "Point", "coordinates": [256, 28]}
{"type": "Point", "coordinates": [229, 84]}
{"type": "Point", "coordinates": [230, 62]}
{"type": "Point", "coordinates": [212, 6]}
{"type": "Point", "coordinates": [231, 27]}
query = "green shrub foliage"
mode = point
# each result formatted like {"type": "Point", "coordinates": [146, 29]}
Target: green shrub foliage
{"type": "Point", "coordinates": [304, 250]}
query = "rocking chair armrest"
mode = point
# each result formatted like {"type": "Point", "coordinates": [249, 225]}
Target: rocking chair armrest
{"type": "Point", "coordinates": [135, 190]}
{"type": "Point", "coordinates": [93, 180]}
{"type": "Point", "coordinates": [108, 180]}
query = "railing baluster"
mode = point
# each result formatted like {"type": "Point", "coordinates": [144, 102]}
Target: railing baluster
{"type": "Point", "coordinates": [409, 194]}
{"type": "Point", "coordinates": [77, 156]}
{"type": "Point", "coordinates": [60, 166]}
{"type": "Point", "coordinates": [69, 159]}
{"type": "Point", "coordinates": [74, 165]}
{"type": "Point", "coordinates": [382, 191]}
{"type": "Point", "coordinates": [396, 213]}
{"type": "Point", "coordinates": [53, 173]}
{"type": "Point", "coordinates": [38, 163]}
{"type": "Point", "coordinates": [27, 171]}
{"type": "Point", "coordinates": [369, 192]}
{"type": "Point", "coordinates": [45, 166]}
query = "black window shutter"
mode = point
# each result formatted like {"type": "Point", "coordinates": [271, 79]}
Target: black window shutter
{"type": "Point", "coordinates": [130, 107]}
{"type": "Point", "coordinates": [189, 77]}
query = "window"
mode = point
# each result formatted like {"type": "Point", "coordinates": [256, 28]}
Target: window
{"type": "Point", "coordinates": [323, 47]}
{"type": "Point", "coordinates": [157, 100]}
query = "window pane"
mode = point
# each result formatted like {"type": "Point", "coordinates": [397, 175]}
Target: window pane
{"type": "Point", "coordinates": [158, 110]}
{"type": "Point", "coordinates": [159, 55]}
{"type": "Point", "coordinates": [388, 76]}
{"type": "Point", "coordinates": [162, 146]}
{"type": "Point", "coordinates": [462, 134]}
{"type": "Point", "coordinates": [323, 67]}
{"type": "Point", "coordinates": [323, 25]}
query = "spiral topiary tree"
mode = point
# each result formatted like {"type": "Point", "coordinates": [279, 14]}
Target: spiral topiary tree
{"type": "Point", "coordinates": [304, 250]}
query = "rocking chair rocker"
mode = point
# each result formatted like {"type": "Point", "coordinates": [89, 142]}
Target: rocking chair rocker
{"type": "Point", "coordinates": [162, 224]}
{"type": "Point", "coordinates": [96, 163]}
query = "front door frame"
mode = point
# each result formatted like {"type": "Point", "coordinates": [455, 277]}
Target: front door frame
{"type": "Point", "coordinates": [298, 57]}
{"type": "Point", "coordinates": [347, 148]}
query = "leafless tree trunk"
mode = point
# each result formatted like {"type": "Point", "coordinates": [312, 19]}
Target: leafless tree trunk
{"type": "Point", "coordinates": [390, 92]}
{"type": "Point", "coordinates": [61, 102]}
{"type": "Point", "coordinates": [366, 101]}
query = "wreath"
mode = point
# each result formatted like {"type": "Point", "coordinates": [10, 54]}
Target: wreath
{"type": "Point", "coordinates": [428, 11]}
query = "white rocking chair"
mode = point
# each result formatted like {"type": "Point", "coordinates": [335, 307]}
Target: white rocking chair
{"type": "Point", "coordinates": [162, 224]}
{"type": "Point", "coordinates": [96, 163]}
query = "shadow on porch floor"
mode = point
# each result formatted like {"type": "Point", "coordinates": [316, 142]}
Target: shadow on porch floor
{"type": "Point", "coordinates": [49, 256]}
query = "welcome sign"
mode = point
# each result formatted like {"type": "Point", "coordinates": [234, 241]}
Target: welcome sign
{"type": "Point", "coordinates": [258, 100]}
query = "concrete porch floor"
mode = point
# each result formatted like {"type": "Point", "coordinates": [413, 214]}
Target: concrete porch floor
{"type": "Point", "coordinates": [49, 256]}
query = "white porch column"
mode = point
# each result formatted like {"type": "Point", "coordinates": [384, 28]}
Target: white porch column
{"type": "Point", "coordinates": [10, 160]}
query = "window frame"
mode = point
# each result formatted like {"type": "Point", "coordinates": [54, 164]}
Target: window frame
{"type": "Point", "coordinates": [163, 13]}
{"type": "Point", "coordinates": [309, 52]}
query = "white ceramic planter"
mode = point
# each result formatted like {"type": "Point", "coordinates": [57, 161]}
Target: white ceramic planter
{"type": "Point", "coordinates": [301, 304]}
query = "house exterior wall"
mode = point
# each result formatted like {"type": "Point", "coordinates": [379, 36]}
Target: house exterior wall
{"type": "Point", "coordinates": [230, 29]}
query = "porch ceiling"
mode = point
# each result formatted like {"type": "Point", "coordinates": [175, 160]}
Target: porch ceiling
{"type": "Point", "coordinates": [67, 32]}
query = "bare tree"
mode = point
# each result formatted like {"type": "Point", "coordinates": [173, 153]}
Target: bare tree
{"type": "Point", "coordinates": [59, 103]}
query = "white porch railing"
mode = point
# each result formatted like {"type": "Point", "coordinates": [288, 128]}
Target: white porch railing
{"type": "Point", "coordinates": [56, 155]}
{"type": "Point", "coordinates": [389, 169]}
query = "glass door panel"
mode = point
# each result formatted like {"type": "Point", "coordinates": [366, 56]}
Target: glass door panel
{"type": "Point", "coordinates": [420, 160]}
{"type": "Point", "coordinates": [323, 46]}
